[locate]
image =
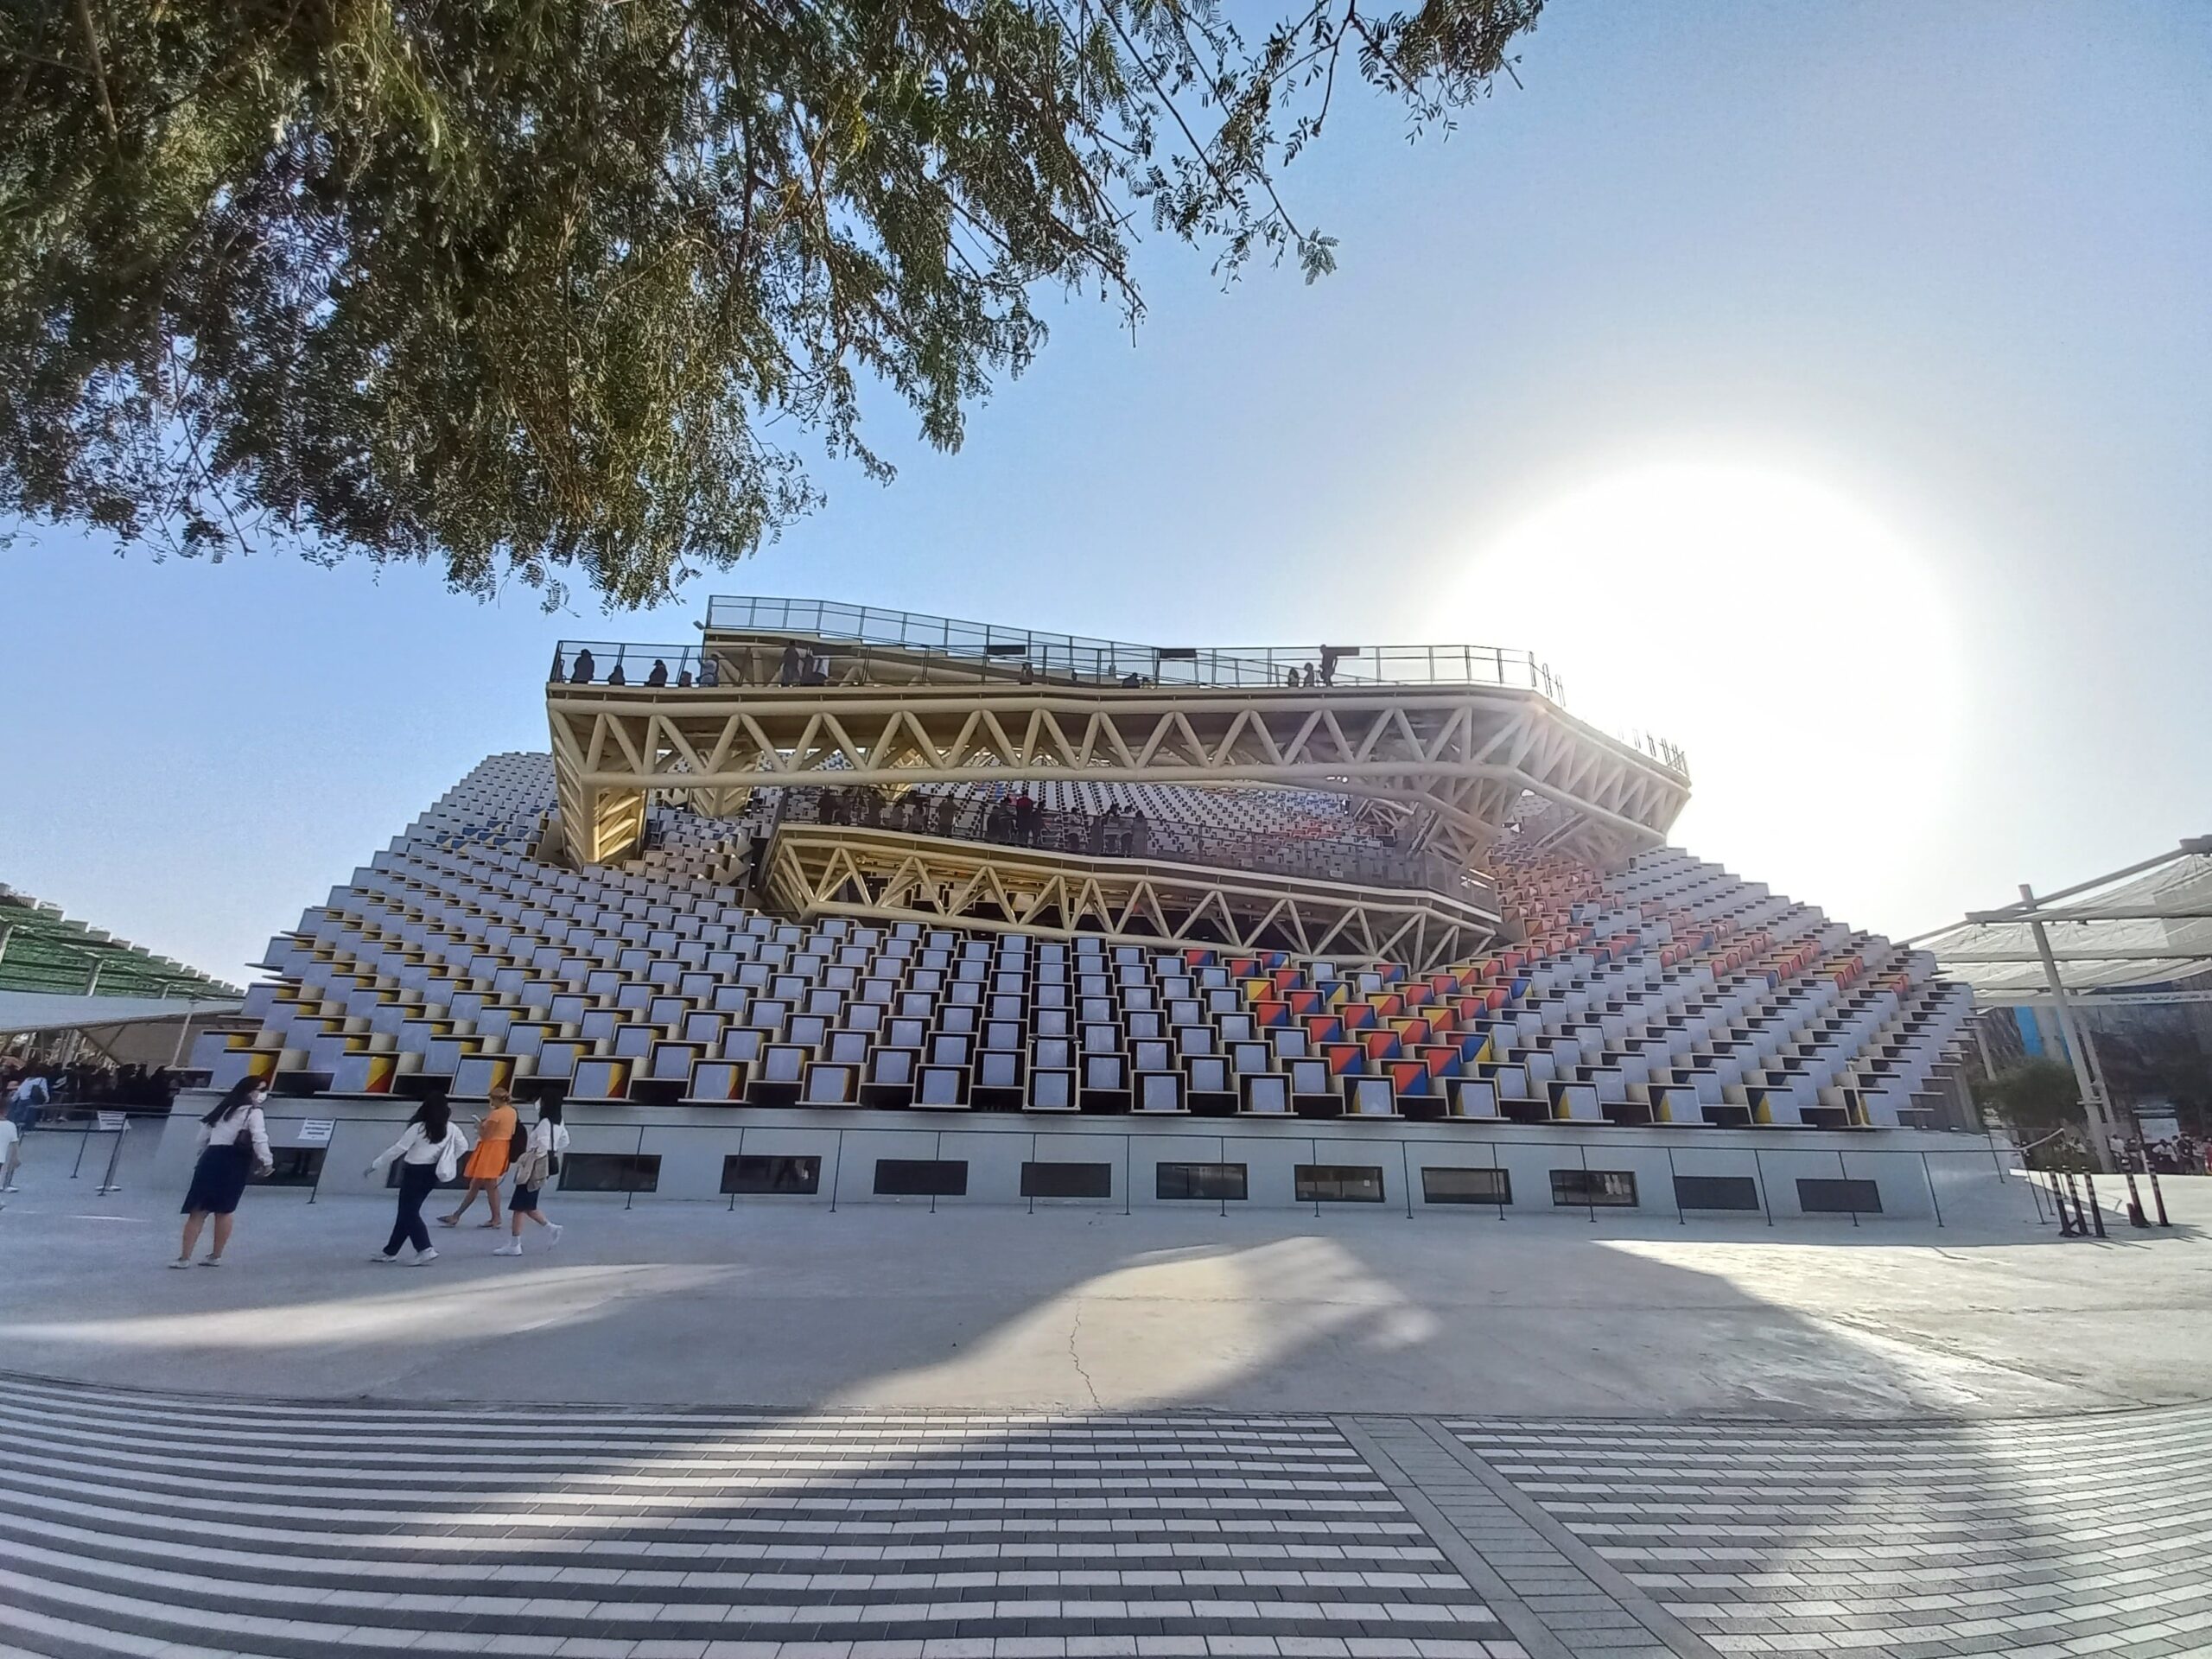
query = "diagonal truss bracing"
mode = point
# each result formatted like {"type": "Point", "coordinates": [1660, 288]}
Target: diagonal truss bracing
{"type": "Point", "coordinates": [1460, 756]}
{"type": "Point", "coordinates": [889, 875]}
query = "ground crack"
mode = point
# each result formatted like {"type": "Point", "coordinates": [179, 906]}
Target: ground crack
{"type": "Point", "coordinates": [1076, 1359]}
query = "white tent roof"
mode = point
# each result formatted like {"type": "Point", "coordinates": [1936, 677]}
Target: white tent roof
{"type": "Point", "coordinates": [22, 1011]}
{"type": "Point", "coordinates": [2148, 925]}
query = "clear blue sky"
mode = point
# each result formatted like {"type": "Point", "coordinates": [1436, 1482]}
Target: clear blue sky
{"type": "Point", "coordinates": [1828, 387]}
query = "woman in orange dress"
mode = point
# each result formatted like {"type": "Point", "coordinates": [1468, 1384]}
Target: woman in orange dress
{"type": "Point", "coordinates": [495, 1133]}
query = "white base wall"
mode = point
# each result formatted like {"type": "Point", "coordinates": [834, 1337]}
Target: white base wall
{"type": "Point", "coordinates": [1923, 1176]}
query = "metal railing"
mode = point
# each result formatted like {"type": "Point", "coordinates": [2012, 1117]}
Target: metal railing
{"type": "Point", "coordinates": [1099, 660]}
{"type": "Point", "coordinates": [902, 648]}
{"type": "Point", "coordinates": [1316, 858]}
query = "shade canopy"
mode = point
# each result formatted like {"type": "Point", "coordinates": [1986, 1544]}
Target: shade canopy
{"type": "Point", "coordinates": [2147, 926]}
{"type": "Point", "coordinates": [29, 1011]}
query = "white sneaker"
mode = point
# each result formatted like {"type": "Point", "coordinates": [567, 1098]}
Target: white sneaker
{"type": "Point", "coordinates": [423, 1258]}
{"type": "Point", "coordinates": [10, 1189]}
{"type": "Point", "coordinates": [514, 1248]}
{"type": "Point", "coordinates": [552, 1233]}
{"type": "Point", "coordinates": [378, 1256]}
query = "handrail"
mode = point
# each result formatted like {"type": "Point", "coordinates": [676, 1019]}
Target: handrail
{"type": "Point", "coordinates": [1319, 858]}
{"type": "Point", "coordinates": [1100, 663]}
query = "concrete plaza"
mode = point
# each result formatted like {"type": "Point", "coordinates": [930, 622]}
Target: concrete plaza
{"type": "Point", "coordinates": [885, 1433]}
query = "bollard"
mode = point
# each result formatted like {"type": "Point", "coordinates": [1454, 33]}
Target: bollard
{"type": "Point", "coordinates": [2066, 1229]}
{"type": "Point", "coordinates": [2135, 1216]}
{"type": "Point", "coordinates": [2081, 1216]}
{"type": "Point", "coordinates": [108, 1183]}
{"type": "Point", "coordinates": [2157, 1197]}
{"type": "Point", "coordinates": [2096, 1209]}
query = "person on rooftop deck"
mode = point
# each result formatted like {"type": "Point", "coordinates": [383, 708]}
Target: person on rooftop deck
{"type": "Point", "coordinates": [658, 674]}
{"type": "Point", "coordinates": [580, 673]}
{"type": "Point", "coordinates": [789, 674]}
{"type": "Point", "coordinates": [615, 676]}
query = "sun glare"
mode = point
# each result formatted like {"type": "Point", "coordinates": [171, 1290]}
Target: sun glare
{"type": "Point", "coordinates": [1792, 643]}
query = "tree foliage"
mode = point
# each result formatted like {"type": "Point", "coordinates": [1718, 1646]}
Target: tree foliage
{"type": "Point", "coordinates": [2034, 1097]}
{"type": "Point", "coordinates": [535, 288]}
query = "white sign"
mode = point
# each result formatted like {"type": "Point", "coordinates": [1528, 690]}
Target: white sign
{"type": "Point", "coordinates": [316, 1131]}
{"type": "Point", "coordinates": [110, 1123]}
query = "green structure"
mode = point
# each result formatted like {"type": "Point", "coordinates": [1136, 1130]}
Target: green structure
{"type": "Point", "coordinates": [42, 951]}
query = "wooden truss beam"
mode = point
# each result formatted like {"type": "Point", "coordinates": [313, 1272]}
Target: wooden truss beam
{"type": "Point", "coordinates": [1461, 755]}
{"type": "Point", "coordinates": [890, 876]}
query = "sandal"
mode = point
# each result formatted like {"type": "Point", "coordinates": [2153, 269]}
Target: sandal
{"type": "Point", "coordinates": [448, 1221]}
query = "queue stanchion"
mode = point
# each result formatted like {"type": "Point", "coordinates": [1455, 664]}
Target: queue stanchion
{"type": "Point", "coordinates": [122, 1127]}
{"type": "Point", "coordinates": [2081, 1216]}
{"type": "Point", "coordinates": [2096, 1209]}
{"type": "Point", "coordinates": [2135, 1216]}
{"type": "Point", "coordinates": [2067, 1226]}
{"type": "Point", "coordinates": [2158, 1198]}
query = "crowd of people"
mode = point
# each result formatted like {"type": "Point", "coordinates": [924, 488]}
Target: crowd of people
{"type": "Point", "coordinates": [2181, 1153]}
{"type": "Point", "coordinates": [432, 1151]}
{"type": "Point", "coordinates": [90, 1083]}
{"type": "Point", "coordinates": [1014, 821]}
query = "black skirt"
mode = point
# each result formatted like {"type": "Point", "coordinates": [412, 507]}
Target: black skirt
{"type": "Point", "coordinates": [217, 1180]}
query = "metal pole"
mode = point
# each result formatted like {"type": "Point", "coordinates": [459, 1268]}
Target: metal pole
{"type": "Point", "coordinates": [2069, 1029]}
{"type": "Point", "coordinates": [1929, 1176]}
{"type": "Point", "coordinates": [2135, 1216]}
{"type": "Point", "coordinates": [2157, 1197]}
{"type": "Point", "coordinates": [2081, 1216]}
{"type": "Point", "coordinates": [183, 1031]}
{"type": "Point", "coordinates": [108, 1183]}
{"type": "Point", "coordinates": [2096, 1209]}
{"type": "Point", "coordinates": [1674, 1181]}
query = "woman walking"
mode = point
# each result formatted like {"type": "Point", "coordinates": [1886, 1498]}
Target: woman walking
{"type": "Point", "coordinates": [495, 1138]}
{"type": "Point", "coordinates": [233, 1143]}
{"type": "Point", "coordinates": [539, 1163]}
{"type": "Point", "coordinates": [428, 1153]}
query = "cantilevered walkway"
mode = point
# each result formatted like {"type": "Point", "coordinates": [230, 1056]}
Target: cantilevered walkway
{"type": "Point", "coordinates": [780, 691]}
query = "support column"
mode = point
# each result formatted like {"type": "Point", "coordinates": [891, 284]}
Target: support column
{"type": "Point", "coordinates": [2093, 1103]}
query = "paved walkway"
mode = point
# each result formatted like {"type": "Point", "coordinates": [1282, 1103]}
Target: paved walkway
{"type": "Point", "coordinates": [149, 1524]}
{"type": "Point", "coordinates": [991, 1309]}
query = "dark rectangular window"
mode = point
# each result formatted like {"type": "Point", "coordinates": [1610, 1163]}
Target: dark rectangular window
{"type": "Point", "coordinates": [1339, 1183]}
{"type": "Point", "coordinates": [921, 1178]}
{"type": "Point", "coordinates": [1716, 1192]}
{"type": "Point", "coordinates": [1057, 1180]}
{"type": "Point", "coordinates": [1198, 1180]}
{"type": "Point", "coordinates": [1616, 1187]}
{"type": "Point", "coordinates": [770, 1173]}
{"type": "Point", "coordinates": [295, 1166]}
{"type": "Point", "coordinates": [609, 1171]}
{"type": "Point", "coordinates": [1833, 1196]}
{"type": "Point", "coordinates": [1460, 1184]}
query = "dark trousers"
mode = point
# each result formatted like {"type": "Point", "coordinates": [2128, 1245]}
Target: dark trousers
{"type": "Point", "coordinates": [416, 1183]}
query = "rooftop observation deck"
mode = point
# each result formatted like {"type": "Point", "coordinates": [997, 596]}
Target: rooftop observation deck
{"type": "Point", "coordinates": [770, 641]}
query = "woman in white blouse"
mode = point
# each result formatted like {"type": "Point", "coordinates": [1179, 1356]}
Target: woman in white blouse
{"type": "Point", "coordinates": [233, 1143]}
{"type": "Point", "coordinates": [539, 1163]}
{"type": "Point", "coordinates": [428, 1153]}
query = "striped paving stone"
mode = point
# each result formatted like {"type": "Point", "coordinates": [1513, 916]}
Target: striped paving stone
{"type": "Point", "coordinates": [136, 1522]}
{"type": "Point", "coordinates": [2061, 1537]}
